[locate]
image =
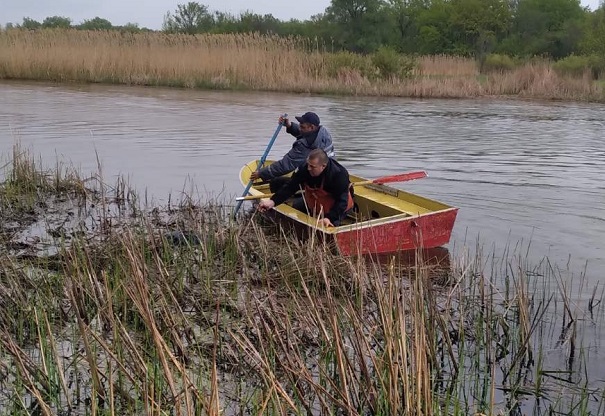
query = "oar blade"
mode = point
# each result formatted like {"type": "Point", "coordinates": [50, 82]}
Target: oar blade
{"type": "Point", "coordinates": [402, 177]}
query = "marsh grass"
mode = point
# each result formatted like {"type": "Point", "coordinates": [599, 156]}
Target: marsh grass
{"type": "Point", "coordinates": [27, 179]}
{"type": "Point", "coordinates": [27, 190]}
{"type": "Point", "coordinates": [249, 320]}
{"type": "Point", "coordinates": [267, 63]}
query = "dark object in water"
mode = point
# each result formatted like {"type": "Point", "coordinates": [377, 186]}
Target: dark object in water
{"type": "Point", "coordinates": [182, 238]}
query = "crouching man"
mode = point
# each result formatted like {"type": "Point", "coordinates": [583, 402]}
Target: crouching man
{"type": "Point", "coordinates": [326, 187]}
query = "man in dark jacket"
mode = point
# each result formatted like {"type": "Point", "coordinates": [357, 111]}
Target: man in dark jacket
{"type": "Point", "coordinates": [326, 189]}
{"type": "Point", "coordinates": [310, 134]}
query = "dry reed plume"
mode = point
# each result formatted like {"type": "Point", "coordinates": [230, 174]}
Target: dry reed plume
{"type": "Point", "coordinates": [258, 63]}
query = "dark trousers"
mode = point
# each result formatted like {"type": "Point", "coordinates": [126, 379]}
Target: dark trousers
{"type": "Point", "coordinates": [276, 183]}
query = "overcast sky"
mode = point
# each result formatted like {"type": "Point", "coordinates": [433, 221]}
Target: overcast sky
{"type": "Point", "coordinates": [150, 13]}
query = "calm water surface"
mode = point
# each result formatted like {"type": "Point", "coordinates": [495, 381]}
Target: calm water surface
{"type": "Point", "coordinates": [522, 173]}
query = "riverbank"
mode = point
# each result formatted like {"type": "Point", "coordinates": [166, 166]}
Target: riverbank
{"type": "Point", "coordinates": [111, 306]}
{"type": "Point", "coordinates": [251, 62]}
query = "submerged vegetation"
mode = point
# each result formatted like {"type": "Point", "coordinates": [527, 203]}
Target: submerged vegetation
{"type": "Point", "coordinates": [271, 63]}
{"type": "Point", "coordinates": [113, 307]}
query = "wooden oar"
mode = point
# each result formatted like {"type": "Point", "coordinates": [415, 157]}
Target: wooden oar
{"type": "Point", "coordinates": [261, 162]}
{"type": "Point", "coordinates": [401, 177]}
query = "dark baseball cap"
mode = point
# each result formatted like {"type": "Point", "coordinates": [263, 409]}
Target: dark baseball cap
{"type": "Point", "coordinates": [309, 117]}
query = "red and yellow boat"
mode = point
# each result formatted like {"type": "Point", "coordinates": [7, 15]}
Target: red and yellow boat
{"type": "Point", "coordinates": [385, 219]}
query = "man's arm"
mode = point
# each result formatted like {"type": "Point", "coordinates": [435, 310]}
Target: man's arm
{"type": "Point", "coordinates": [294, 129]}
{"type": "Point", "coordinates": [285, 165]}
{"type": "Point", "coordinates": [290, 187]}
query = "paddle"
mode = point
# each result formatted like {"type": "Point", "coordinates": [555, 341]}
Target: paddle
{"type": "Point", "coordinates": [261, 162]}
{"type": "Point", "coordinates": [401, 177]}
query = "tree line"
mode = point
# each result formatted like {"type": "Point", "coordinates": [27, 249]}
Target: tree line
{"type": "Point", "coordinates": [61, 22]}
{"type": "Point", "coordinates": [517, 28]}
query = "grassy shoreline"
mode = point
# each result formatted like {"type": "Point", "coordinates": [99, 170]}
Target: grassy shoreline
{"type": "Point", "coordinates": [262, 63]}
{"type": "Point", "coordinates": [122, 318]}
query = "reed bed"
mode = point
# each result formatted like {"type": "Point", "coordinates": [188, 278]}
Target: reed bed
{"type": "Point", "coordinates": [182, 310]}
{"type": "Point", "coordinates": [447, 66]}
{"type": "Point", "coordinates": [265, 63]}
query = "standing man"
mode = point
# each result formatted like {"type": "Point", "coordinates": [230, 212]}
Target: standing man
{"type": "Point", "coordinates": [310, 134]}
{"type": "Point", "coordinates": [326, 189]}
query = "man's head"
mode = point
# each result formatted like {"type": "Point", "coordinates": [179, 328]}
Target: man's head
{"type": "Point", "coordinates": [317, 162]}
{"type": "Point", "coordinates": [308, 122]}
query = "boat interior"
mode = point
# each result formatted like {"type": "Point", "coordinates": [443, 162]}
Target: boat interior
{"type": "Point", "coordinates": [372, 201]}
{"type": "Point", "coordinates": [366, 205]}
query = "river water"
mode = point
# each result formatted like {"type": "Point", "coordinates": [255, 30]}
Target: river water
{"type": "Point", "coordinates": [527, 175]}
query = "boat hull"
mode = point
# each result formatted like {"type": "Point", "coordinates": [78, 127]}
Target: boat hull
{"type": "Point", "coordinates": [412, 233]}
{"type": "Point", "coordinates": [388, 220]}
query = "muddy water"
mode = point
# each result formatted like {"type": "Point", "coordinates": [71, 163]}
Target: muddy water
{"type": "Point", "coordinates": [524, 174]}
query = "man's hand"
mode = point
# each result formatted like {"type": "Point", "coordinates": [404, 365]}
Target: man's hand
{"type": "Point", "coordinates": [326, 222]}
{"type": "Point", "coordinates": [285, 122]}
{"type": "Point", "coordinates": [254, 175]}
{"type": "Point", "coordinates": [265, 205]}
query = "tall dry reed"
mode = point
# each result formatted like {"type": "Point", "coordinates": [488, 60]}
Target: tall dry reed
{"type": "Point", "coordinates": [446, 66]}
{"type": "Point", "coordinates": [268, 63]}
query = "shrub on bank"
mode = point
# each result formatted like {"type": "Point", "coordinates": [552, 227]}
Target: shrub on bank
{"type": "Point", "coordinates": [578, 65]}
{"type": "Point", "coordinates": [335, 63]}
{"type": "Point", "coordinates": [496, 62]}
{"type": "Point", "coordinates": [597, 66]}
{"type": "Point", "coordinates": [572, 66]}
{"type": "Point", "coordinates": [392, 64]}
{"type": "Point", "coordinates": [384, 64]}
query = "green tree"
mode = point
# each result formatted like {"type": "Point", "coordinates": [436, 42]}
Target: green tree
{"type": "Point", "coordinates": [224, 23]}
{"type": "Point", "coordinates": [306, 28]}
{"type": "Point", "coordinates": [476, 25]}
{"type": "Point", "coordinates": [431, 41]}
{"type": "Point", "coordinates": [96, 24]}
{"type": "Point", "coordinates": [434, 32]}
{"type": "Point", "coordinates": [188, 18]}
{"type": "Point", "coordinates": [130, 27]}
{"type": "Point", "coordinates": [30, 24]}
{"type": "Point", "coordinates": [546, 27]}
{"type": "Point", "coordinates": [405, 15]}
{"type": "Point", "coordinates": [57, 22]}
{"type": "Point", "coordinates": [351, 11]}
{"type": "Point", "coordinates": [593, 41]}
{"type": "Point", "coordinates": [360, 25]}
{"type": "Point", "coordinates": [252, 22]}
{"type": "Point", "coordinates": [248, 22]}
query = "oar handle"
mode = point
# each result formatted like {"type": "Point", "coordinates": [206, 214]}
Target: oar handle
{"type": "Point", "coordinates": [261, 196]}
{"type": "Point", "coordinates": [253, 197]}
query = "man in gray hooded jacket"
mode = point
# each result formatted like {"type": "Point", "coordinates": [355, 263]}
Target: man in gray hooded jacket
{"type": "Point", "coordinates": [310, 134]}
